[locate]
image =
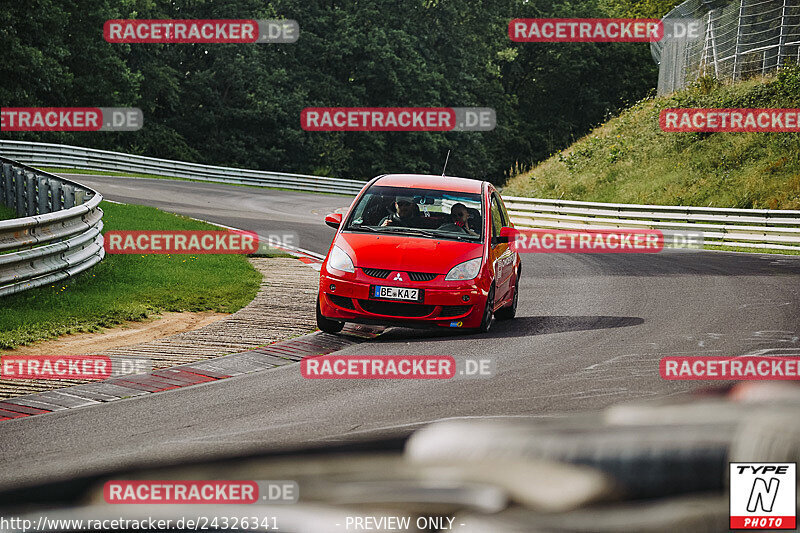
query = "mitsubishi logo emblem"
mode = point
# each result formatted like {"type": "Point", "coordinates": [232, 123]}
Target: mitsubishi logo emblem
{"type": "Point", "coordinates": [398, 277]}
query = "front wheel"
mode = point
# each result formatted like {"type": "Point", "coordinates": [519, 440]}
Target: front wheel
{"type": "Point", "coordinates": [488, 313]}
{"type": "Point", "coordinates": [326, 324]}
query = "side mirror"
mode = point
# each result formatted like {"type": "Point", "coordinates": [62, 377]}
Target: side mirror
{"type": "Point", "coordinates": [507, 235]}
{"type": "Point", "coordinates": [334, 220]}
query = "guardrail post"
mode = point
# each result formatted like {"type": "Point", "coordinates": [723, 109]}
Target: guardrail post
{"type": "Point", "coordinates": [9, 188]}
{"type": "Point", "coordinates": [69, 196]}
{"type": "Point", "coordinates": [737, 58]}
{"type": "Point", "coordinates": [56, 197]}
{"type": "Point", "coordinates": [782, 39]}
{"type": "Point", "coordinates": [43, 196]}
{"type": "Point", "coordinates": [19, 192]}
{"type": "Point", "coordinates": [5, 175]}
{"type": "Point", "coordinates": [30, 194]}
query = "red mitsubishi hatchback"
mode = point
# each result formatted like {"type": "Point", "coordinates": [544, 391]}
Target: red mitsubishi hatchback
{"type": "Point", "coordinates": [420, 251]}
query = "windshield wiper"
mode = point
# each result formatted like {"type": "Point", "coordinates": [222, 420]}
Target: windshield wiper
{"type": "Point", "coordinates": [426, 233]}
{"type": "Point", "coordinates": [413, 231]}
{"type": "Point", "coordinates": [362, 228]}
{"type": "Point", "coordinates": [396, 229]}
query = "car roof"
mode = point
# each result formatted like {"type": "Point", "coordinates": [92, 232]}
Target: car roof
{"type": "Point", "coordinates": [430, 181]}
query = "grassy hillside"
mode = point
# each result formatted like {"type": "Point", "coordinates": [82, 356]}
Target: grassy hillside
{"type": "Point", "coordinates": [630, 160]}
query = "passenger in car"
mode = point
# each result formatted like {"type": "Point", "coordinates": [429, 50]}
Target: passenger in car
{"type": "Point", "coordinates": [459, 220]}
{"type": "Point", "coordinates": [406, 214]}
{"type": "Point", "coordinates": [475, 220]}
{"type": "Point", "coordinates": [377, 208]}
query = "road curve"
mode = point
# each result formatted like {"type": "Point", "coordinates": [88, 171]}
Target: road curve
{"type": "Point", "coordinates": [264, 211]}
{"type": "Point", "coordinates": [590, 332]}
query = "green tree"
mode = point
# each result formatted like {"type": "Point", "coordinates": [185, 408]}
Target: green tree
{"type": "Point", "coordinates": [240, 104]}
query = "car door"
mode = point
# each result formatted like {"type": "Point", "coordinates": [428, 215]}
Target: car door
{"type": "Point", "coordinates": [501, 254]}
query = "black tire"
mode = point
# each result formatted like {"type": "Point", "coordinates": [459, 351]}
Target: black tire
{"type": "Point", "coordinates": [510, 311]}
{"type": "Point", "coordinates": [488, 314]}
{"type": "Point", "coordinates": [326, 324]}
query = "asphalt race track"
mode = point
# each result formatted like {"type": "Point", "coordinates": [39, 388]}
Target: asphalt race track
{"type": "Point", "coordinates": [264, 211]}
{"type": "Point", "coordinates": [590, 332]}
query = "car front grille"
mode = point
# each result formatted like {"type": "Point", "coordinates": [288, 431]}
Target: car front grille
{"type": "Point", "coordinates": [421, 276]}
{"type": "Point", "coordinates": [376, 272]}
{"type": "Point", "coordinates": [413, 276]}
{"type": "Point", "coordinates": [398, 309]}
{"type": "Point", "coordinates": [454, 310]}
{"type": "Point", "coordinates": [341, 301]}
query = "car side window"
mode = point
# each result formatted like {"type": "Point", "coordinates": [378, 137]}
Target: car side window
{"type": "Point", "coordinates": [503, 211]}
{"type": "Point", "coordinates": [497, 217]}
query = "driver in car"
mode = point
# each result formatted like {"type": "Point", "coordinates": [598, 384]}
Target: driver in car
{"type": "Point", "coordinates": [405, 214]}
{"type": "Point", "coordinates": [459, 220]}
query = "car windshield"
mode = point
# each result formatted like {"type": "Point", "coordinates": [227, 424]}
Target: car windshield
{"type": "Point", "coordinates": [419, 212]}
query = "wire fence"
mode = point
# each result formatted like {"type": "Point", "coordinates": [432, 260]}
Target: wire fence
{"type": "Point", "coordinates": [739, 39]}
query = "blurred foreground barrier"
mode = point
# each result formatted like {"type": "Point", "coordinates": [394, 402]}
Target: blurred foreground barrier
{"type": "Point", "coordinates": [646, 461]}
{"type": "Point", "coordinates": [57, 234]}
{"type": "Point", "coordinates": [667, 458]}
{"type": "Point", "coordinates": [646, 466]}
{"type": "Point", "coordinates": [64, 156]}
{"type": "Point", "coordinates": [746, 228]}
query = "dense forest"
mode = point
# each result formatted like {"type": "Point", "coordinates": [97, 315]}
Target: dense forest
{"type": "Point", "coordinates": [239, 104]}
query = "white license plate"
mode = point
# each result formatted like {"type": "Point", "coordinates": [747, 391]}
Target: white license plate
{"type": "Point", "coordinates": [396, 293]}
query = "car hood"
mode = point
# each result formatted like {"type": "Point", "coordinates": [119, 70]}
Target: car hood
{"type": "Point", "coordinates": [406, 253]}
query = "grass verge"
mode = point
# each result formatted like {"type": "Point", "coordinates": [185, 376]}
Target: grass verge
{"type": "Point", "coordinates": [751, 250]}
{"type": "Point", "coordinates": [630, 160]}
{"type": "Point", "coordinates": [6, 213]}
{"type": "Point", "coordinates": [130, 287]}
{"type": "Point", "coordinates": [87, 172]}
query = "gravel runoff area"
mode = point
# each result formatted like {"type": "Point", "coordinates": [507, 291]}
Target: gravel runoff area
{"type": "Point", "coordinates": [283, 308]}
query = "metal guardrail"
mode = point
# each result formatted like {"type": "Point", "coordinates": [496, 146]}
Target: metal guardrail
{"type": "Point", "coordinates": [746, 228]}
{"type": "Point", "coordinates": [64, 156]}
{"type": "Point", "coordinates": [58, 233]}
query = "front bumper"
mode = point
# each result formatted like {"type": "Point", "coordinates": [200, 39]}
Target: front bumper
{"type": "Point", "coordinates": [348, 298]}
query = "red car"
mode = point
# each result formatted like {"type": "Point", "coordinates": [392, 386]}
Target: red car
{"type": "Point", "coordinates": [417, 250]}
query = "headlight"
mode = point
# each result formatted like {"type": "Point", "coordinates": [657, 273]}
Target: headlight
{"type": "Point", "coordinates": [339, 260]}
{"type": "Point", "coordinates": [465, 271]}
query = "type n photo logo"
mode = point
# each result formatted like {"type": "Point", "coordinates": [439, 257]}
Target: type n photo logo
{"type": "Point", "coordinates": [763, 496]}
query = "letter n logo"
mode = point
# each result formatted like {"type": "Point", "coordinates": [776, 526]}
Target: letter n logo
{"type": "Point", "coordinates": [763, 495]}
